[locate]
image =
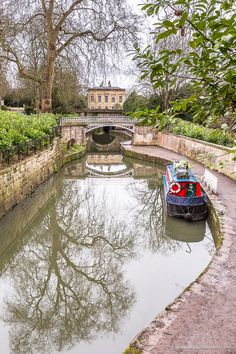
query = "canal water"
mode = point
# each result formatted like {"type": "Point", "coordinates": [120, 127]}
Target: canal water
{"type": "Point", "coordinates": [91, 258]}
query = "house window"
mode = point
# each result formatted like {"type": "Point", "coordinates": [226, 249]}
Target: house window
{"type": "Point", "coordinates": [99, 99]}
{"type": "Point", "coordinates": [113, 107]}
{"type": "Point", "coordinates": [91, 98]}
{"type": "Point", "coordinates": [99, 107]}
{"type": "Point", "coordinates": [106, 99]}
{"type": "Point", "coordinates": [106, 107]}
{"type": "Point", "coordinates": [120, 99]}
{"type": "Point", "coordinates": [113, 100]}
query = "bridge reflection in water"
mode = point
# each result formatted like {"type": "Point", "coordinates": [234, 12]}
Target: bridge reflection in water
{"type": "Point", "coordinates": [110, 166]}
{"type": "Point", "coordinates": [93, 263]}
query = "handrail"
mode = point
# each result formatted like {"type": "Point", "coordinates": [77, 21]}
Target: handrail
{"type": "Point", "coordinates": [97, 119]}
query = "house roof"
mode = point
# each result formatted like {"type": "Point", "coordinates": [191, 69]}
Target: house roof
{"type": "Point", "coordinates": [106, 88]}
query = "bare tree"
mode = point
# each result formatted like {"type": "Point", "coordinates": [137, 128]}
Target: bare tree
{"type": "Point", "coordinates": [91, 27]}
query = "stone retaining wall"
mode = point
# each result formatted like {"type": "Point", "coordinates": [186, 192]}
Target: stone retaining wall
{"type": "Point", "coordinates": [214, 156]}
{"type": "Point", "coordinates": [21, 179]}
{"type": "Point", "coordinates": [144, 136]}
{"type": "Point", "coordinates": [13, 224]}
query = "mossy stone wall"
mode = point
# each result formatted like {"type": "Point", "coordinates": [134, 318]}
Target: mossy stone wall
{"type": "Point", "coordinates": [21, 179]}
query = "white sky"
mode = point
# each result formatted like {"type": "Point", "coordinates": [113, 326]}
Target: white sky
{"type": "Point", "coordinates": [124, 78]}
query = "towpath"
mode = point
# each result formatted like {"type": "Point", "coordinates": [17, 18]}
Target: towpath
{"type": "Point", "coordinates": [203, 318]}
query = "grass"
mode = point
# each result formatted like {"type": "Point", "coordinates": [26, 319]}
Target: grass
{"type": "Point", "coordinates": [132, 350]}
{"type": "Point", "coordinates": [76, 148]}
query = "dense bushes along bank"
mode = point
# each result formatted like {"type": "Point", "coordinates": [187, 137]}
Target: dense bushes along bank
{"type": "Point", "coordinates": [179, 126]}
{"type": "Point", "coordinates": [20, 135]}
{"type": "Point", "coordinates": [196, 131]}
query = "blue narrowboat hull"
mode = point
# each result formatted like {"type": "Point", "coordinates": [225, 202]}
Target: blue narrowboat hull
{"type": "Point", "coordinates": [189, 208]}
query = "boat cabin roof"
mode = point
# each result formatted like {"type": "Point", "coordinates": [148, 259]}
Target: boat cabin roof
{"type": "Point", "coordinates": [191, 177]}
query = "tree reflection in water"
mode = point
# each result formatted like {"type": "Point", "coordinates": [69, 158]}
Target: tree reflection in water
{"type": "Point", "coordinates": [150, 215]}
{"type": "Point", "coordinates": [68, 279]}
{"type": "Point", "coordinates": [164, 234]}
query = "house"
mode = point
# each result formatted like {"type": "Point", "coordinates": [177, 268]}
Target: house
{"type": "Point", "coordinates": [106, 98]}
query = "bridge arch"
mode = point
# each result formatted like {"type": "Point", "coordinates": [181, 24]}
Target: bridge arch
{"type": "Point", "coordinates": [128, 172]}
{"type": "Point", "coordinates": [129, 128]}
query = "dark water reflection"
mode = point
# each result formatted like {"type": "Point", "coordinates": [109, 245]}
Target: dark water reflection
{"type": "Point", "coordinates": [97, 263]}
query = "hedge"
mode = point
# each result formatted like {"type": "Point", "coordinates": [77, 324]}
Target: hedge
{"type": "Point", "coordinates": [19, 133]}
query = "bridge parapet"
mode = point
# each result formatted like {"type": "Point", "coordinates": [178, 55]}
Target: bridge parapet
{"type": "Point", "coordinates": [84, 121]}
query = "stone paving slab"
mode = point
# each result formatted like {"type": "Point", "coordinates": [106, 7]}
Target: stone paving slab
{"type": "Point", "coordinates": [203, 318]}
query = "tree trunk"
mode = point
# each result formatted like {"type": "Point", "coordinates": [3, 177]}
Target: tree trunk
{"type": "Point", "coordinates": [49, 76]}
{"type": "Point", "coordinates": [37, 100]}
{"type": "Point", "coordinates": [165, 100]}
{"type": "Point", "coordinates": [47, 102]}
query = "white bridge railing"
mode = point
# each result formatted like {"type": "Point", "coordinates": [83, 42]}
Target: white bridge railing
{"type": "Point", "coordinates": [97, 120]}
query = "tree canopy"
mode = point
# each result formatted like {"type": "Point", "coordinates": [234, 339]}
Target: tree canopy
{"type": "Point", "coordinates": [35, 35]}
{"type": "Point", "coordinates": [207, 59]}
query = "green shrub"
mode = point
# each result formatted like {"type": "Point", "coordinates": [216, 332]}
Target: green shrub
{"type": "Point", "coordinates": [163, 120]}
{"type": "Point", "coordinates": [195, 131]}
{"type": "Point", "coordinates": [29, 110]}
{"type": "Point", "coordinates": [20, 134]}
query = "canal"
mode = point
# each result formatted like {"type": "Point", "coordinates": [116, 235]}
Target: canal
{"type": "Point", "coordinates": [91, 258]}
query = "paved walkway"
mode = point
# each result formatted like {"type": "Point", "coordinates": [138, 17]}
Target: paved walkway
{"type": "Point", "coordinates": [203, 318]}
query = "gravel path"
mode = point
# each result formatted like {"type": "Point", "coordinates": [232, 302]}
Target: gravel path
{"type": "Point", "coordinates": [203, 318]}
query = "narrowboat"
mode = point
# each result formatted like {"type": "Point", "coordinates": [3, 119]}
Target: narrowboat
{"type": "Point", "coordinates": [184, 195]}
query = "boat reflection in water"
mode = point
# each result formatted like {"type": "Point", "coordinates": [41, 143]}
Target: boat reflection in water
{"type": "Point", "coordinates": [177, 229]}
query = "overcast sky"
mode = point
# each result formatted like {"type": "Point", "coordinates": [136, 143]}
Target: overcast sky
{"type": "Point", "coordinates": [124, 77]}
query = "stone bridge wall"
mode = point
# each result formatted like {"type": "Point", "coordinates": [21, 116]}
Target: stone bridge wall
{"type": "Point", "coordinates": [74, 132]}
{"type": "Point", "coordinates": [144, 136]}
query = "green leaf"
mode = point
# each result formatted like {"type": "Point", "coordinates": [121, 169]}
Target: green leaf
{"type": "Point", "coordinates": [201, 25]}
{"type": "Point", "coordinates": [184, 106]}
{"type": "Point", "coordinates": [165, 34]}
{"type": "Point", "coordinates": [168, 24]}
{"type": "Point", "coordinates": [183, 19]}
{"type": "Point", "coordinates": [187, 62]}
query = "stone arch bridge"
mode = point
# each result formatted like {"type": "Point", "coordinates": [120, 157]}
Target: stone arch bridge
{"type": "Point", "coordinates": [78, 127]}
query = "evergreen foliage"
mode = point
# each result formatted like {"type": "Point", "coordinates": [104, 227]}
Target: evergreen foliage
{"type": "Point", "coordinates": [18, 132]}
{"type": "Point", "coordinates": [208, 62]}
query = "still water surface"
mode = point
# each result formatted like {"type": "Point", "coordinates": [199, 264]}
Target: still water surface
{"type": "Point", "coordinates": [91, 259]}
